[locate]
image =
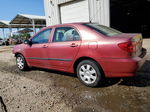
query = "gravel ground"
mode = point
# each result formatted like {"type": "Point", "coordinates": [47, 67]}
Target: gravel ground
{"type": "Point", "coordinates": [40, 90]}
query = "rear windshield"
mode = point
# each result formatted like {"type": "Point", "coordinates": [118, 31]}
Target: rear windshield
{"type": "Point", "coordinates": [103, 29]}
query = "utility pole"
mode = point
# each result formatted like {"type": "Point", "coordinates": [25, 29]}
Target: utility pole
{"type": "Point", "coordinates": [3, 33]}
{"type": "Point", "coordinates": [33, 24]}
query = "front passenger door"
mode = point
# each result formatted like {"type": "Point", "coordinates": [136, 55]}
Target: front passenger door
{"type": "Point", "coordinates": [37, 53]}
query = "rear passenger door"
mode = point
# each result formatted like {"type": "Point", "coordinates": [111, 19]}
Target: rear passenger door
{"type": "Point", "coordinates": [64, 47]}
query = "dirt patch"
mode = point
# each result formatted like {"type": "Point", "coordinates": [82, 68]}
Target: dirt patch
{"type": "Point", "coordinates": [3, 50]}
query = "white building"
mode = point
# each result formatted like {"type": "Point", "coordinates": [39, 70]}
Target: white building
{"type": "Point", "coordinates": [125, 15]}
{"type": "Point", "coordinates": [67, 11]}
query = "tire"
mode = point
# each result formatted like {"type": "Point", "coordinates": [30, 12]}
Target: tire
{"type": "Point", "coordinates": [89, 73]}
{"type": "Point", "coordinates": [21, 63]}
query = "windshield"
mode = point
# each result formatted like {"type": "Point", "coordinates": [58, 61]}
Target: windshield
{"type": "Point", "coordinates": [103, 29]}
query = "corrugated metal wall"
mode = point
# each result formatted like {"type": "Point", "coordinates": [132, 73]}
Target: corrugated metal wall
{"type": "Point", "coordinates": [98, 9]}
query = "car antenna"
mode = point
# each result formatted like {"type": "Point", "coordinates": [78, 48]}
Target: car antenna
{"type": "Point", "coordinates": [94, 15]}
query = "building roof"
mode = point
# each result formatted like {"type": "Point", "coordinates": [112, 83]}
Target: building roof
{"type": "Point", "coordinates": [24, 21]}
{"type": "Point", "coordinates": [4, 24]}
{"type": "Point", "coordinates": [33, 16]}
{"type": "Point", "coordinates": [26, 30]}
{"type": "Point", "coordinates": [27, 19]}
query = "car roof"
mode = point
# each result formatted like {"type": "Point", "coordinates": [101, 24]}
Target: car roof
{"type": "Point", "coordinates": [77, 23]}
{"type": "Point", "coordinates": [67, 24]}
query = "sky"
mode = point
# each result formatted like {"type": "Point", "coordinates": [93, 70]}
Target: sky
{"type": "Point", "coordinates": [10, 8]}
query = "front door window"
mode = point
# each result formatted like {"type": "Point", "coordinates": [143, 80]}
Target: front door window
{"type": "Point", "coordinates": [42, 37]}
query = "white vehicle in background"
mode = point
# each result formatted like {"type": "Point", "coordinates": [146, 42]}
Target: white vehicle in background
{"type": "Point", "coordinates": [2, 42]}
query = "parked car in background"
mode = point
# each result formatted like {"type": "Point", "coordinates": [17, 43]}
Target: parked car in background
{"type": "Point", "coordinates": [2, 42]}
{"type": "Point", "coordinates": [91, 51]}
{"type": "Point", "coordinates": [7, 42]}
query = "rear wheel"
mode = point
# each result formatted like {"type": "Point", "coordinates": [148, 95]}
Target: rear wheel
{"type": "Point", "coordinates": [21, 63]}
{"type": "Point", "coordinates": [89, 73]}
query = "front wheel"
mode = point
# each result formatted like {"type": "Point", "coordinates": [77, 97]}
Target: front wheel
{"type": "Point", "coordinates": [89, 73]}
{"type": "Point", "coordinates": [21, 62]}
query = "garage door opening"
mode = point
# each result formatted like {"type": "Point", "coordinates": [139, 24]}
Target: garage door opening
{"type": "Point", "coordinates": [131, 16]}
{"type": "Point", "coordinates": [77, 11]}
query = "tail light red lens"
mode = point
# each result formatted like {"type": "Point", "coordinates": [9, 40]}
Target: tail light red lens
{"type": "Point", "coordinates": [128, 46]}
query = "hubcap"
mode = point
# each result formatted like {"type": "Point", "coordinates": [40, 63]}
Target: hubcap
{"type": "Point", "coordinates": [88, 74]}
{"type": "Point", "coordinates": [20, 63]}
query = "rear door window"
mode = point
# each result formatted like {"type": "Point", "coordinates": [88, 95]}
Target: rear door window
{"type": "Point", "coordinates": [103, 29]}
{"type": "Point", "coordinates": [63, 34]}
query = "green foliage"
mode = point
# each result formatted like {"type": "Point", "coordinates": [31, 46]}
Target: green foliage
{"type": "Point", "coordinates": [15, 36]}
{"type": "Point", "coordinates": [21, 36]}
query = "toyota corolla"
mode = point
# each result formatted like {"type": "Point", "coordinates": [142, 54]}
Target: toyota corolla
{"type": "Point", "coordinates": [91, 51]}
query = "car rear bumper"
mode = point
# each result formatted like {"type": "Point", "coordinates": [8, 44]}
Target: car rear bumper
{"type": "Point", "coordinates": [122, 67]}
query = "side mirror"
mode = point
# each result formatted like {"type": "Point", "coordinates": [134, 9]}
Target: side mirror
{"type": "Point", "coordinates": [28, 42]}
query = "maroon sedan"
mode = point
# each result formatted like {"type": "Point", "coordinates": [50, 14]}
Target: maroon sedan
{"type": "Point", "coordinates": [92, 51]}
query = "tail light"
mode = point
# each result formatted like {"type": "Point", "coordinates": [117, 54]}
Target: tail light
{"type": "Point", "coordinates": [128, 46]}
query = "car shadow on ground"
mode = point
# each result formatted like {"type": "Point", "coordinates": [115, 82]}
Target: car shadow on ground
{"type": "Point", "coordinates": [105, 83]}
{"type": "Point", "coordinates": [61, 73]}
{"type": "Point", "coordinates": [142, 79]}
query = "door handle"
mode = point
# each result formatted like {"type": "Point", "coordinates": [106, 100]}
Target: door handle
{"type": "Point", "coordinates": [45, 46]}
{"type": "Point", "coordinates": [73, 45]}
